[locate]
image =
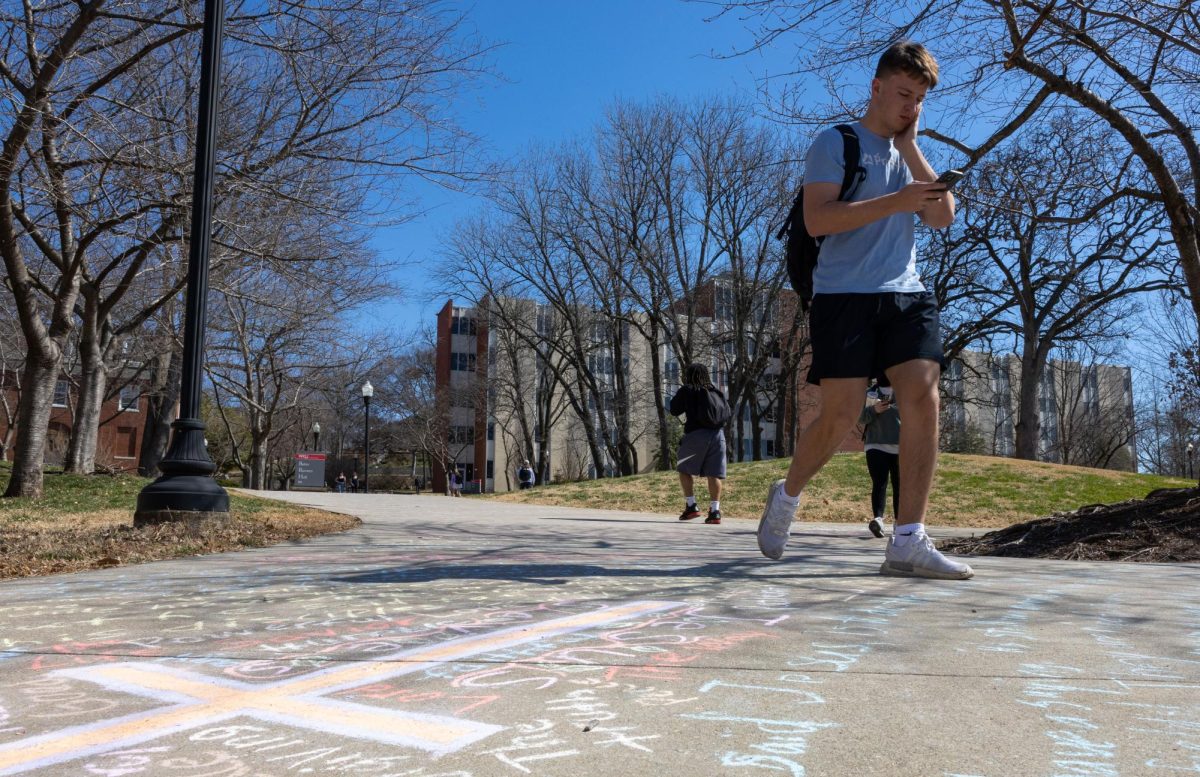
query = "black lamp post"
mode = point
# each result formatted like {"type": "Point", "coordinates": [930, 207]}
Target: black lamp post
{"type": "Point", "coordinates": [186, 489]}
{"type": "Point", "coordinates": [367, 392]}
{"type": "Point", "coordinates": [1190, 451]}
{"type": "Point", "coordinates": [316, 431]}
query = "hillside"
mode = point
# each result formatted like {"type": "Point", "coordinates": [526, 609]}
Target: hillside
{"type": "Point", "coordinates": [969, 491]}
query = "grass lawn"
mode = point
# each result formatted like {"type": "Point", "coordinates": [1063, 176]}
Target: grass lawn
{"type": "Point", "coordinates": [970, 491]}
{"type": "Point", "coordinates": [85, 522]}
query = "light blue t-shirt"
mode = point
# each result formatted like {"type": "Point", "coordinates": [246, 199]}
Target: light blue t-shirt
{"type": "Point", "coordinates": [878, 257]}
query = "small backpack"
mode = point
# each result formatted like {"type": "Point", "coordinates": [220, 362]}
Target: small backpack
{"type": "Point", "coordinates": [715, 411]}
{"type": "Point", "coordinates": [801, 248]}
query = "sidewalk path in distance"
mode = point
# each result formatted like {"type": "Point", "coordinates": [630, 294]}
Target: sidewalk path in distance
{"type": "Point", "coordinates": [469, 638]}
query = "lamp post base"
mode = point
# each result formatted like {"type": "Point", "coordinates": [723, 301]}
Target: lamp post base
{"type": "Point", "coordinates": [186, 487]}
{"type": "Point", "coordinates": [186, 498]}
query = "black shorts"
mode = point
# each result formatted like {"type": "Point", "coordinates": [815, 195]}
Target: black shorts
{"type": "Point", "coordinates": [861, 335]}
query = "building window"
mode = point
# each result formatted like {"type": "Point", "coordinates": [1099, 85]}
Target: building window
{"type": "Point", "coordinates": [462, 435]}
{"type": "Point", "coordinates": [724, 303]}
{"type": "Point", "coordinates": [770, 449]}
{"type": "Point", "coordinates": [462, 325]}
{"type": "Point", "coordinates": [545, 320]}
{"type": "Point", "coordinates": [491, 431]}
{"type": "Point", "coordinates": [462, 362]}
{"type": "Point", "coordinates": [491, 469]}
{"type": "Point", "coordinates": [62, 392]}
{"type": "Point", "coordinates": [127, 400]}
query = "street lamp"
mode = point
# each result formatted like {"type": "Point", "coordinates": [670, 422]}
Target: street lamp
{"type": "Point", "coordinates": [316, 432]}
{"type": "Point", "coordinates": [367, 391]}
{"type": "Point", "coordinates": [186, 489]}
{"type": "Point", "coordinates": [1190, 450]}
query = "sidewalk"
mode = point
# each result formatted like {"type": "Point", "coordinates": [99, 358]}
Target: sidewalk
{"type": "Point", "coordinates": [467, 637]}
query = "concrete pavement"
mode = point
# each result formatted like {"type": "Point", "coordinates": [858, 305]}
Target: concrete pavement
{"type": "Point", "coordinates": [470, 638]}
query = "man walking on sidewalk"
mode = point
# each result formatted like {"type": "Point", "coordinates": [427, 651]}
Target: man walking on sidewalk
{"type": "Point", "coordinates": [871, 316]}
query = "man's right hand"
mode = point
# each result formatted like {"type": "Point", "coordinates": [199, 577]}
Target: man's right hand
{"type": "Point", "coordinates": [915, 197]}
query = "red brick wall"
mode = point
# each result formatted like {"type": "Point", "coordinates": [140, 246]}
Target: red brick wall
{"type": "Point", "coordinates": [119, 443]}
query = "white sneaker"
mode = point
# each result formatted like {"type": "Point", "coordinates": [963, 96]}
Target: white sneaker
{"type": "Point", "coordinates": [919, 558]}
{"type": "Point", "coordinates": [775, 524]}
{"type": "Point", "coordinates": [876, 527]}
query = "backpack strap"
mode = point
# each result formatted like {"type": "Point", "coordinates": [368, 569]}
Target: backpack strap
{"type": "Point", "coordinates": [852, 178]}
{"type": "Point", "coordinates": [852, 156]}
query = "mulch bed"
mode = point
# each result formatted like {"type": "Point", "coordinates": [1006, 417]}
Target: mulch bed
{"type": "Point", "coordinates": [1165, 526]}
{"type": "Point", "coordinates": [44, 551]}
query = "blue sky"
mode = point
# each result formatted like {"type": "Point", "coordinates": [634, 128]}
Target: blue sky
{"type": "Point", "coordinates": [561, 64]}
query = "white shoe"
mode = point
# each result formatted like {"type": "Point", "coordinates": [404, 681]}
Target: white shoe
{"type": "Point", "coordinates": [919, 558]}
{"type": "Point", "coordinates": [876, 527]}
{"type": "Point", "coordinates": [775, 524]}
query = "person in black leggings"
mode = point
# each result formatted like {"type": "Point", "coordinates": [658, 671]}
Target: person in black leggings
{"type": "Point", "coordinates": [881, 441]}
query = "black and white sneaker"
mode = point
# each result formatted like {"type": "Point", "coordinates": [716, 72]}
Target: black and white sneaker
{"type": "Point", "coordinates": [876, 527]}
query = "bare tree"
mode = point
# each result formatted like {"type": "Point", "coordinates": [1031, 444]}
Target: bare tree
{"type": "Point", "coordinates": [1069, 258]}
{"type": "Point", "coordinates": [343, 90]}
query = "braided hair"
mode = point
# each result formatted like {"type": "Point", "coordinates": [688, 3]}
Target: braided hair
{"type": "Point", "coordinates": [696, 376]}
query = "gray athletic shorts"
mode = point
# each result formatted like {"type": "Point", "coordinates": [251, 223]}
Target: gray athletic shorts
{"type": "Point", "coordinates": [702, 453]}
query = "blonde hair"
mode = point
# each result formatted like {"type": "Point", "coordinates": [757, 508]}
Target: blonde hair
{"type": "Point", "coordinates": [906, 56]}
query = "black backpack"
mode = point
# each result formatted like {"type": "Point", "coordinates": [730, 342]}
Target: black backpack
{"type": "Point", "coordinates": [714, 412]}
{"type": "Point", "coordinates": [801, 248]}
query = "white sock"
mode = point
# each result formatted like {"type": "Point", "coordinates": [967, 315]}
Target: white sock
{"type": "Point", "coordinates": [713, 506]}
{"type": "Point", "coordinates": [691, 501]}
{"type": "Point", "coordinates": [909, 531]}
{"type": "Point", "coordinates": [787, 498]}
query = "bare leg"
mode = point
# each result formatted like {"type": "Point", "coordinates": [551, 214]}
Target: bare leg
{"type": "Point", "coordinates": [689, 484]}
{"type": "Point", "coordinates": [916, 385]}
{"type": "Point", "coordinates": [714, 489]}
{"type": "Point", "coordinates": [841, 402]}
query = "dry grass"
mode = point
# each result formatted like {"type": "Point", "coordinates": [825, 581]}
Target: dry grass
{"type": "Point", "coordinates": [78, 526]}
{"type": "Point", "coordinates": [969, 491]}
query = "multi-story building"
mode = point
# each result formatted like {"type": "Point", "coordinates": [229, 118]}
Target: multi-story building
{"type": "Point", "coordinates": [501, 393]}
{"type": "Point", "coordinates": [501, 390]}
{"type": "Point", "coordinates": [1086, 411]}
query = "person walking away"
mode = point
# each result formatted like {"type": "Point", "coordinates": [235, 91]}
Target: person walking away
{"type": "Point", "coordinates": [871, 315]}
{"type": "Point", "coordinates": [455, 483]}
{"type": "Point", "coordinates": [354, 483]}
{"type": "Point", "coordinates": [881, 442]}
{"type": "Point", "coordinates": [702, 449]}
{"type": "Point", "coordinates": [341, 482]}
{"type": "Point", "coordinates": [525, 475]}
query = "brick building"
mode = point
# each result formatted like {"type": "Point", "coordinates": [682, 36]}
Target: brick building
{"type": "Point", "coordinates": [119, 440]}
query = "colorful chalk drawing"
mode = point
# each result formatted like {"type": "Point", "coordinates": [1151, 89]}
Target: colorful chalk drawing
{"type": "Point", "coordinates": [450, 655]}
{"type": "Point", "coordinates": [198, 700]}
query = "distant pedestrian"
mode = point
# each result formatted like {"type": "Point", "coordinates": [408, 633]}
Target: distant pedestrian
{"type": "Point", "coordinates": [881, 441]}
{"type": "Point", "coordinates": [525, 475]}
{"type": "Point", "coordinates": [702, 449]}
{"type": "Point", "coordinates": [354, 483]}
{"type": "Point", "coordinates": [417, 485]}
{"type": "Point", "coordinates": [456, 483]}
{"type": "Point", "coordinates": [340, 483]}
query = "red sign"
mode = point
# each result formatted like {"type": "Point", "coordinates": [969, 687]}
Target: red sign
{"type": "Point", "coordinates": [311, 456]}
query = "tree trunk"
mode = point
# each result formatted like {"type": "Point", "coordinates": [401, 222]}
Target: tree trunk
{"type": "Point", "coordinates": [258, 465]}
{"type": "Point", "coordinates": [93, 382]}
{"type": "Point", "coordinates": [37, 398]}
{"type": "Point", "coordinates": [1029, 419]}
{"type": "Point", "coordinates": [660, 403]}
{"type": "Point", "coordinates": [755, 429]}
{"type": "Point", "coordinates": [160, 410]}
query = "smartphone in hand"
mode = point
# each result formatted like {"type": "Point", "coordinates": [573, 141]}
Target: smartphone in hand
{"type": "Point", "coordinates": [950, 177]}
